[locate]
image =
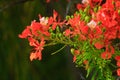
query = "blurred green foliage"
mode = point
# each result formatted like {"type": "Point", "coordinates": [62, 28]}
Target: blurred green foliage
{"type": "Point", "coordinates": [14, 52]}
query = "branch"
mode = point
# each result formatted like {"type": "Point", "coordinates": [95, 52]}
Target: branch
{"type": "Point", "coordinates": [13, 4]}
{"type": "Point", "coordinates": [68, 8]}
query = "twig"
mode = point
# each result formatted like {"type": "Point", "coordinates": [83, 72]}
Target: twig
{"type": "Point", "coordinates": [68, 8]}
{"type": "Point", "coordinates": [58, 50]}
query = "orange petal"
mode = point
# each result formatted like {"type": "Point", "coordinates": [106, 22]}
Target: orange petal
{"type": "Point", "coordinates": [32, 56]}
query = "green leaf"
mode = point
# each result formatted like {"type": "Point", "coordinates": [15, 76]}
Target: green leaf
{"type": "Point", "coordinates": [94, 73]}
{"type": "Point", "coordinates": [89, 70]}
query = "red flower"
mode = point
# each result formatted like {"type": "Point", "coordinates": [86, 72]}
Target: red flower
{"type": "Point", "coordinates": [85, 62]}
{"type": "Point", "coordinates": [55, 14]}
{"type": "Point", "coordinates": [74, 58]}
{"type": "Point", "coordinates": [84, 29]}
{"type": "Point", "coordinates": [76, 52]}
{"type": "Point", "coordinates": [33, 42]}
{"type": "Point", "coordinates": [117, 58]}
{"type": "Point", "coordinates": [110, 33]}
{"type": "Point", "coordinates": [109, 5]}
{"type": "Point", "coordinates": [99, 45]}
{"type": "Point", "coordinates": [38, 47]}
{"type": "Point", "coordinates": [118, 71]}
{"type": "Point", "coordinates": [110, 49]}
{"type": "Point", "coordinates": [118, 63]}
{"type": "Point", "coordinates": [35, 28]}
{"type": "Point", "coordinates": [54, 25]}
{"type": "Point", "coordinates": [107, 17]}
{"type": "Point", "coordinates": [74, 22]}
{"type": "Point", "coordinates": [67, 32]}
{"type": "Point", "coordinates": [52, 21]}
{"type": "Point", "coordinates": [106, 55]}
{"type": "Point", "coordinates": [79, 6]}
{"type": "Point", "coordinates": [25, 33]}
{"type": "Point", "coordinates": [94, 2]}
{"type": "Point", "coordinates": [38, 29]}
{"type": "Point", "coordinates": [108, 52]}
{"type": "Point", "coordinates": [117, 4]}
{"type": "Point", "coordinates": [36, 55]}
{"type": "Point", "coordinates": [98, 30]}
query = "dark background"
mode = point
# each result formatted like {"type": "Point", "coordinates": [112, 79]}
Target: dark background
{"type": "Point", "coordinates": [15, 15]}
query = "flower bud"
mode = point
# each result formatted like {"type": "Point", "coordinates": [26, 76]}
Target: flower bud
{"type": "Point", "coordinates": [72, 50]}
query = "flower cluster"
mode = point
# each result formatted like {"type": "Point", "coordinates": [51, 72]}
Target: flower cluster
{"type": "Point", "coordinates": [92, 32]}
{"type": "Point", "coordinates": [38, 32]}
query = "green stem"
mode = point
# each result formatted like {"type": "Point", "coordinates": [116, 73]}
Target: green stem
{"type": "Point", "coordinates": [56, 40]}
{"type": "Point", "coordinates": [58, 50]}
{"type": "Point", "coordinates": [50, 44]}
